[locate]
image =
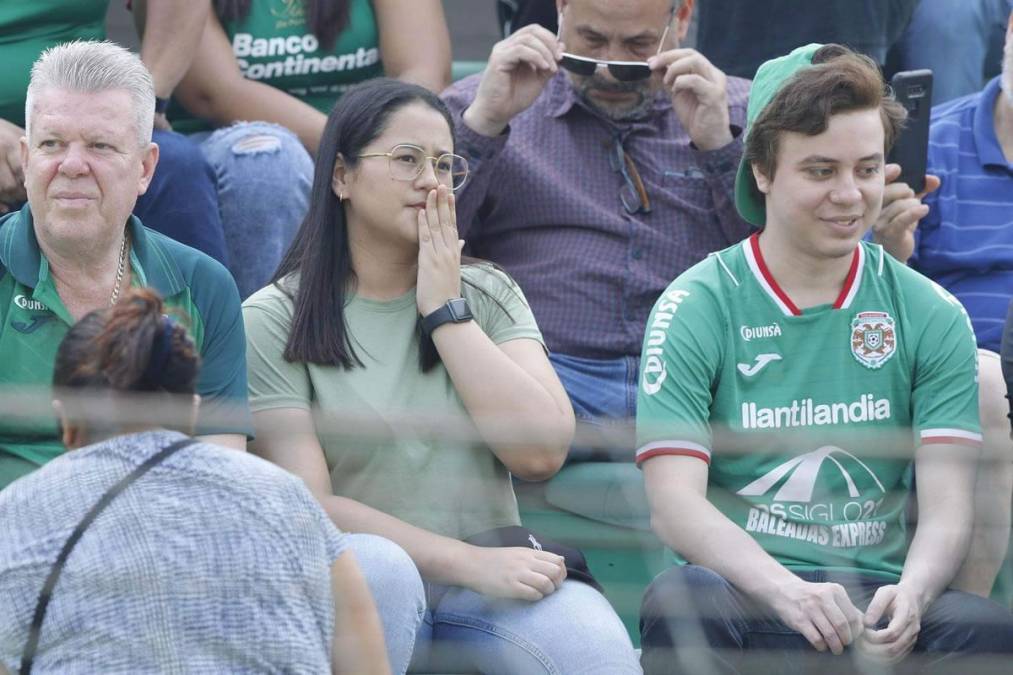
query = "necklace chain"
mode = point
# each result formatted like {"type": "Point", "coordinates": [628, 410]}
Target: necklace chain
{"type": "Point", "coordinates": [119, 271]}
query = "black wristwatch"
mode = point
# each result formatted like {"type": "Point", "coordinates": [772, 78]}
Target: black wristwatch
{"type": "Point", "coordinates": [161, 105]}
{"type": "Point", "coordinates": [455, 311]}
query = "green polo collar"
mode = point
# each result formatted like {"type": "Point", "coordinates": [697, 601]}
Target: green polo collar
{"type": "Point", "coordinates": [149, 261]}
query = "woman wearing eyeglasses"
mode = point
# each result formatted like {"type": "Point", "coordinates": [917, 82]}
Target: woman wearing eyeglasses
{"type": "Point", "coordinates": [208, 561]}
{"type": "Point", "coordinates": [374, 317]}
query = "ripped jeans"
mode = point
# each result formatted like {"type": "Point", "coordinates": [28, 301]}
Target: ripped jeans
{"type": "Point", "coordinates": [263, 175]}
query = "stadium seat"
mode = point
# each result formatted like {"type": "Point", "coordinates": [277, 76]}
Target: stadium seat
{"type": "Point", "coordinates": [462, 69]}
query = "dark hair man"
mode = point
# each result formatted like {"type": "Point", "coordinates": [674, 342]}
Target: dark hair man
{"type": "Point", "coordinates": [787, 383]}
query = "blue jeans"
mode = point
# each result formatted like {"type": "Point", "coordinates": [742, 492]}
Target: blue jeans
{"type": "Point", "coordinates": [952, 38]}
{"type": "Point", "coordinates": [263, 175]}
{"type": "Point", "coordinates": [574, 630]}
{"type": "Point", "coordinates": [694, 620]}
{"type": "Point", "coordinates": [182, 202]}
{"type": "Point", "coordinates": [603, 393]}
{"type": "Point", "coordinates": [397, 590]}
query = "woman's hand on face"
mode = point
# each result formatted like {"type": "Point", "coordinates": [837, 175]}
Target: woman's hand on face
{"type": "Point", "coordinates": [439, 252]}
{"type": "Point", "coordinates": [516, 573]}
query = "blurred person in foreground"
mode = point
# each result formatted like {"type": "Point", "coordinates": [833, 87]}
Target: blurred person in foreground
{"type": "Point", "coordinates": [797, 376]}
{"type": "Point", "coordinates": [592, 191]}
{"type": "Point", "coordinates": [961, 236]}
{"type": "Point", "coordinates": [374, 316]}
{"type": "Point", "coordinates": [212, 561]}
{"type": "Point", "coordinates": [75, 247]}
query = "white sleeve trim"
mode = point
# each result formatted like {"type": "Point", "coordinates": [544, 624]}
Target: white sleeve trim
{"type": "Point", "coordinates": [951, 433]}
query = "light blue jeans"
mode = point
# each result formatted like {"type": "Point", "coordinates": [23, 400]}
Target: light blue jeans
{"type": "Point", "coordinates": [952, 38]}
{"type": "Point", "coordinates": [573, 631]}
{"type": "Point", "coordinates": [603, 393]}
{"type": "Point", "coordinates": [263, 175]}
{"type": "Point", "coordinates": [397, 591]}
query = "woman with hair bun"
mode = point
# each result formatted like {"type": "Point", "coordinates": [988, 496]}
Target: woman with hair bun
{"type": "Point", "coordinates": [208, 560]}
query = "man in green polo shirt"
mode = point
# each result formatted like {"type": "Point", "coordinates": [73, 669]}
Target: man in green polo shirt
{"type": "Point", "coordinates": [787, 384]}
{"type": "Point", "coordinates": [74, 246]}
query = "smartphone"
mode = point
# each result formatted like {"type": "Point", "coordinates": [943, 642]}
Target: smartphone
{"type": "Point", "coordinates": [913, 90]}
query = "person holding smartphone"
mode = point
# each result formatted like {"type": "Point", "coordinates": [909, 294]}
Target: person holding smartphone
{"type": "Point", "coordinates": [789, 384]}
{"type": "Point", "coordinates": [961, 236]}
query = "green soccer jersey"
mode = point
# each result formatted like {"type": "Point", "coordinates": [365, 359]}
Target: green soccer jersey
{"type": "Point", "coordinates": [27, 28]}
{"type": "Point", "coordinates": [808, 419]}
{"type": "Point", "coordinates": [274, 44]}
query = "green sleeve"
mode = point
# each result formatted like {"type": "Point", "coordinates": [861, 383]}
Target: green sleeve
{"type": "Point", "coordinates": [945, 387]}
{"type": "Point", "coordinates": [273, 381]}
{"type": "Point", "coordinates": [498, 304]}
{"type": "Point", "coordinates": [222, 383]}
{"type": "Point", "coordinates": [679, 368]}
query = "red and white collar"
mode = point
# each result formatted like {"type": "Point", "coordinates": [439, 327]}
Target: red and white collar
{"type": "Point", "coordinates": [751, 248]}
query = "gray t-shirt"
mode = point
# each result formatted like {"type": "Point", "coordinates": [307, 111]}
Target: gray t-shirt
{"type": "Point", "coordinates": [453, 489]}
{"type": "Point", "coordinates": [214, 561]}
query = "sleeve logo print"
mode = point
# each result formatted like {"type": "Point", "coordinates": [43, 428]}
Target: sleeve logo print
{"type": "Point", "coordinates": [655, 372]}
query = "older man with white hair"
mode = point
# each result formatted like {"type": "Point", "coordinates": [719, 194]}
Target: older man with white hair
{"type": "Point", "coordinates": [74, 247]}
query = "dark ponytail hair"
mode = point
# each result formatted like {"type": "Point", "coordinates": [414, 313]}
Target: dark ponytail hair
{"type": "Point", "coordinates": [325, 18]}
{"type": "Point", "coordinates": [319, 252]}
{"type": "Point", "coordinates": [131, 346]}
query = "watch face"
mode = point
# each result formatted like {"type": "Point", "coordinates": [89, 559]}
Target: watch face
{"type": "Point", "coordinates": [459, 309]}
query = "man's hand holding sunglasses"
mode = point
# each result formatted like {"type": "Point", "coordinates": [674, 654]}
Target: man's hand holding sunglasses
{"type": "Point", "coordinates": [699, 95]}
{"type": "Point", "coordinates": [518, 68]}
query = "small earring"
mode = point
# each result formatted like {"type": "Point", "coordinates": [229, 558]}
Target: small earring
{"type": "Point", "coordinates": [341, 196]}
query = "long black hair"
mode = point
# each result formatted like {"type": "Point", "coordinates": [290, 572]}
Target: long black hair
{"type": "Point", "coordinates": [326, 18]}
{"type": "Point", "coordinates": [319, 251]}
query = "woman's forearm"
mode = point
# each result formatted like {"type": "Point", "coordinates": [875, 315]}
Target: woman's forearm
{"type": "Point", "coordinates": [246, 100]}
{"type": "Point", "coordinates": [439, 559]}
{"type": "Point", "coordinates": [525, 425]}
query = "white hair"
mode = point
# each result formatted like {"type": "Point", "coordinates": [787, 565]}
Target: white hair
{"type": "Point", "coordinates": [93, 66]}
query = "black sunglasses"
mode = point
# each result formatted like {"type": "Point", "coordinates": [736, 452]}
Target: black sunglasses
{"type": "Point", "coordinates": [624, 71]}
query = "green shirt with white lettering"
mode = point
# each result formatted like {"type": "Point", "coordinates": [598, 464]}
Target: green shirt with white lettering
{"type": "Point", "coordinates": [33, 321]}
{"type": "Point", "coordinates": [27, 28]}
{"type": "Point", "coordinates": [809, 419]}
{"type": "Point", "coordinates": [274, 44]}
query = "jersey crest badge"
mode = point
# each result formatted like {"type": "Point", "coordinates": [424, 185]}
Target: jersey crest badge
{"type": "Point", "coordinates": [873, 338]}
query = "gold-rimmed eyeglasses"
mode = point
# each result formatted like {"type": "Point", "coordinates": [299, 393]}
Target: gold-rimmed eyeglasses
{"type": "Point", "coordinates": [406, 162]}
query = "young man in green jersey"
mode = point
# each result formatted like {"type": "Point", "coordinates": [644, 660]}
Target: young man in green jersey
{"type": "Point", "coordinates": [786, 385]}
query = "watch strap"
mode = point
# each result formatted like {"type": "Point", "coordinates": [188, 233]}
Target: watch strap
{"type": "Point", "coordinates": [454, 311]}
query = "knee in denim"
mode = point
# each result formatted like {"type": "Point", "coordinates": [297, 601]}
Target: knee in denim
{"type": "Point", "coordinates": [256, 144]}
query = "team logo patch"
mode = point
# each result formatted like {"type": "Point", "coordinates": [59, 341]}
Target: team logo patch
{"type": "Point", "coordinates": [873, 338]}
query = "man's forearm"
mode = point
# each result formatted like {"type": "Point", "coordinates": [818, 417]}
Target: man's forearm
{"type": "Point", "coordinates": [695, 529]}
{"type": "Point", "coordinates": [945, 477]}
{"type": "Point", "coordinates": [170, 32]}
{"type": "Point", "coordinates": [938, 548]}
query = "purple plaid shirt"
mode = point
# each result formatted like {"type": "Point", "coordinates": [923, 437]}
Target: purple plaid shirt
{"type": "Point", "coordinates": [543, 202]}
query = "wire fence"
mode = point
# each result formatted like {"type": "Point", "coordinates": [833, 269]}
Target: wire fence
{"type": "Point", "coordinates": [26, 409]}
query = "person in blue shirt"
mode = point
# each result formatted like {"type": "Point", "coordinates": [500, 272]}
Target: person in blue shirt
{"type": "Point", "coordinates": [964, 241]}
